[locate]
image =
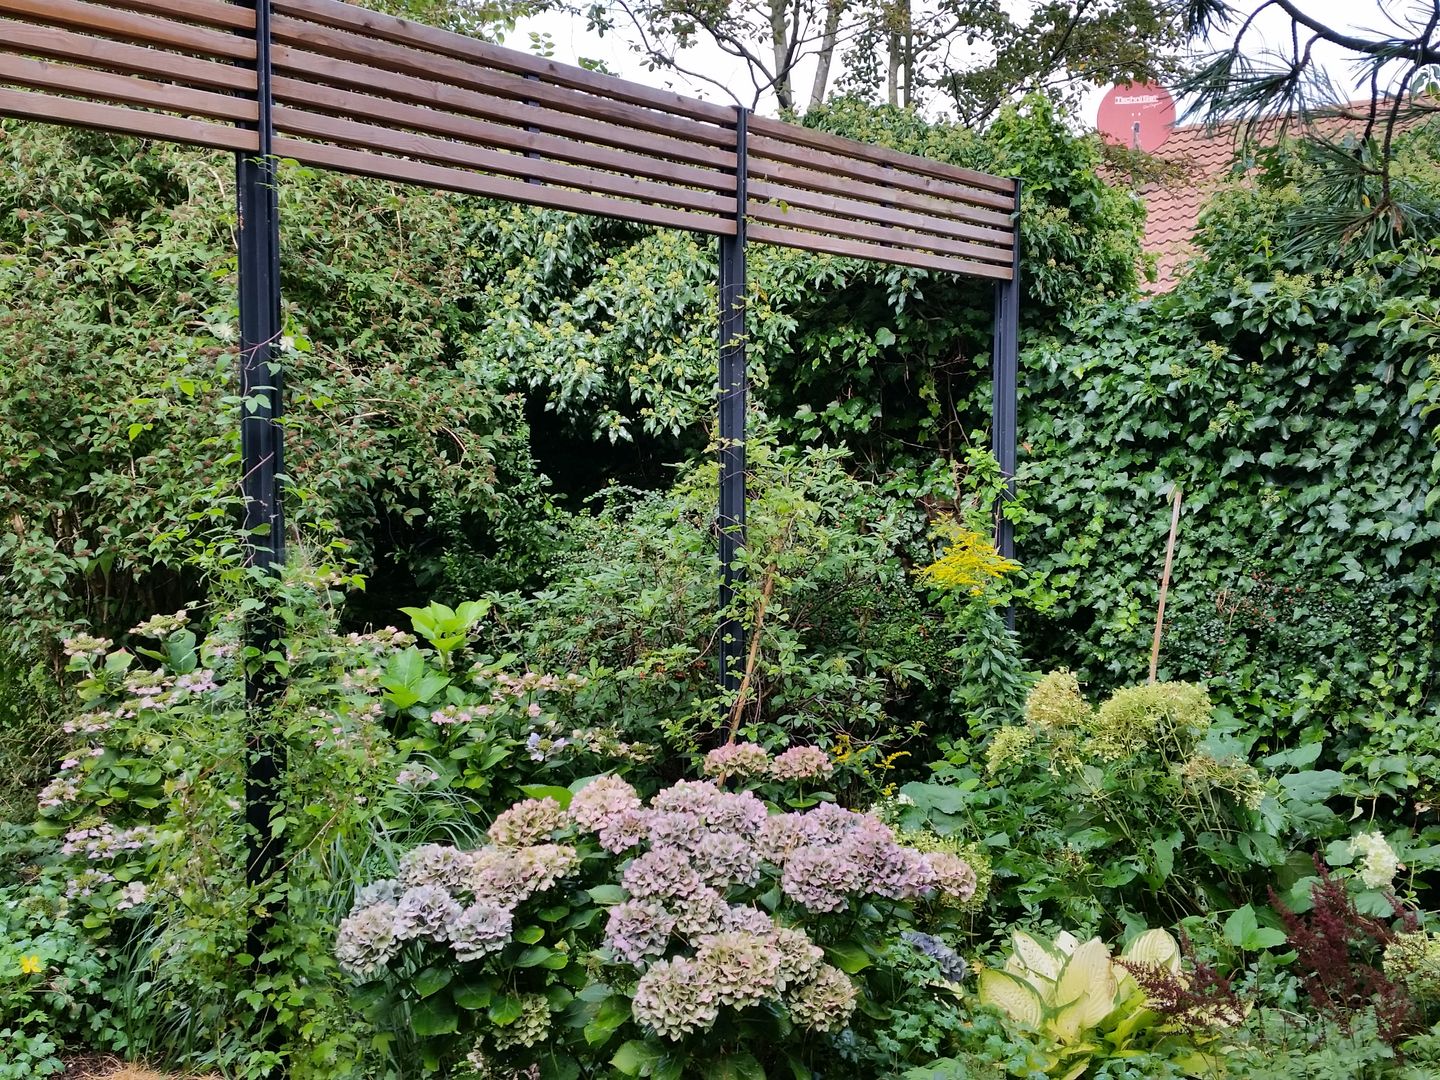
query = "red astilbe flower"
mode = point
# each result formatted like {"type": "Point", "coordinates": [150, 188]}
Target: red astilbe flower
{"type": "Point", "coordinates": [1195, 1001]}
{"type": "Point", "coordinates": [1338, 953]}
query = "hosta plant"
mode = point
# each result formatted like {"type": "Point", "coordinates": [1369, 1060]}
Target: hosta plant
{"type": "Point", "coordinates": [1082, 1005]}
{"type": "Point", "coordinates": [600, 935]}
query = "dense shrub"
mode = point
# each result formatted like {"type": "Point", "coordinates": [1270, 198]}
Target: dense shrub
{"type": "Point", "coordinates": [849, 642]}
{"type": "Point", "coordinates": [1144, 811]}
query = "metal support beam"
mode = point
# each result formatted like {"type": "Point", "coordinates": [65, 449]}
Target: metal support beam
{"type": "Point", "coordinates": [261, 438]}
{"type": "Point", "coordinates": [1005, 379]}
{"type": "Point", "coordinates": [733, 388]}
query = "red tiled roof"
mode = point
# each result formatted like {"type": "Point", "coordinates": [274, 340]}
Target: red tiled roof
{"type": "Point", "coordinates": [1205, 154]}
{"type": "Point", "coordinates": [1172, 208]}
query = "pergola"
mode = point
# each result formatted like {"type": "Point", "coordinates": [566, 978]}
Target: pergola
{"type": "Point", "coordinates": [325, 83]}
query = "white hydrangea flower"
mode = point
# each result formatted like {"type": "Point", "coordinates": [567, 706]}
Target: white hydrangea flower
{"type": "Point", "coordinates": [1378, 861]}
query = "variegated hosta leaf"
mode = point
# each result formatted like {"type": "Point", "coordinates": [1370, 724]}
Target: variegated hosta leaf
{"type": "Point", "coordinates": [1036, 955]}
{"type": "Point", "coordinates": [1154, 947]}
{"type": "Point", "coordinates": [1065, 942]}
{"type": "Point", "coordinates": [1087, 981]}
{"type": "Point", "coordinates": [1012, 996]}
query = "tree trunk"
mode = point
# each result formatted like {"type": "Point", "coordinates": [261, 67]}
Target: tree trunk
{"type": "Point", "coordinates": [780, 44]}
{"type": "Point", "coordinates": [909, 61]}
{"type": "Point", "coordinates": [892, 77]}
{"type": "Point", "coordinates": [827, 51]}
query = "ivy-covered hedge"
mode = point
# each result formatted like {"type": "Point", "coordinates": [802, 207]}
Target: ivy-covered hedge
{"type": "Point", "coordinates": [1295, 412]}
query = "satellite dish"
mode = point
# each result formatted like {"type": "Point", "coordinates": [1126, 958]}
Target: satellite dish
{"type": "Point", "coordinates": [1137, 115]}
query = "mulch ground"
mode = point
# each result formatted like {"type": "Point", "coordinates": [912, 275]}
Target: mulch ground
{"type": "Point", "coordinates": [109, 1067]}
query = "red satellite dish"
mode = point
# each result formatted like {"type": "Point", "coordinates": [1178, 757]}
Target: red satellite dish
{"type": "Point", "coordinates": [1139, 116]}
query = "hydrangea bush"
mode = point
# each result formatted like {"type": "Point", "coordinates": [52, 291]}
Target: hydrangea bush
{"type": "Point", "coordinates": [599, 931]}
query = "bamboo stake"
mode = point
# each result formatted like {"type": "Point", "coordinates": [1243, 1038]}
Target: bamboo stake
{"type": "Point", "coordinates": [1165, 582]}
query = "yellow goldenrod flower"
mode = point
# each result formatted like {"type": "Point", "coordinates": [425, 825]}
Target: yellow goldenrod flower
{"type": "Point", "coordinates": [969, 561]}
{"type": "Point", "coordinates": [30, 965]}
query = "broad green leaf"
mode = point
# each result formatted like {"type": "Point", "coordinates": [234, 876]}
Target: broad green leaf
{"type": "Point", "coordinates": [848, 956]}
{"type": "Point", "coordinates": [549, 791]}
{"type": "Point", "coordinates": [636, 1058]}
{"type": "Point", "coordinates": [434, 1016]}
{"type": "Point", "coordinates": [505, 1010]}
{"type": "Point", "coordinates": [432, 979]}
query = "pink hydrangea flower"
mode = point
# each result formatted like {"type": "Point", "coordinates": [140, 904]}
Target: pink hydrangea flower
{"type": "Point", "coordinates": [821, 878]}
{"type": "Point", "coordinates": [741, 760]}
{"type": "Point", "coordinates": [802, 763]}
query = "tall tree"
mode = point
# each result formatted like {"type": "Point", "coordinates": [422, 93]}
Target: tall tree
{"type": "Point", "coordinates": [1350, 130]}
{"type": "Point", "coordinates": [968, 56]}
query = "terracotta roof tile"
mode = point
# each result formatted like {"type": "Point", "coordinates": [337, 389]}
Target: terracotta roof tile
{"type": "Point", "coordinates": [1206, 155]}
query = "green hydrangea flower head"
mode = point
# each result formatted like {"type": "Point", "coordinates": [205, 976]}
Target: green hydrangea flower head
{"type": "Point", "coordinates": [1009, 746]}
{"type": "Point", "coordinates": [1169, 718]}
{"type": "Point", "coordinates": [1055, 703]}
{"type": "Point", "coordinates": [1413, 959]}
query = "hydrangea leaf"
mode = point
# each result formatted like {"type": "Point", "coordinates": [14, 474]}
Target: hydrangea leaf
{"type": "Point", "coordinates": [434, 1016]}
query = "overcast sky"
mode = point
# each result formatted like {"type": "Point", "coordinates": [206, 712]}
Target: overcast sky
{"type": "Point", "coordinates": [571, 42]}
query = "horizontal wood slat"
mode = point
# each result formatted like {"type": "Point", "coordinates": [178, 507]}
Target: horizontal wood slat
{"type": "Point", "coordinates": [863, 211]}
{"type": "Point", "coordinates": [483, 133]}
{"type": "Point", "coordinates": [376, 25]}
{"type": "Point", "coordinates": [91, 114]}
{"type": "Point", "coordinates": [390, 140]}
{"type": "Point", "coordinates": [60, 44]}
{"type": "Point", "coordinates": [93, 18]}
{"type": "Point", "coordinates": [855, 249]}
{"type": "Point", "coordinates": [204, 12]}
{"type": "Point", "coordinates": [43, 75]}
{"type": "Point", "coordinates": [795, 153]}
{"type": "Point", "coordinates": [883, 155]}
{"type": "Point", "coordinates": [426, 65]}
{"type": "Point", "coordinates": [463, 180]}
{"type": "Point", "coordinates": [368, 93]}
{"type": "Point", "coordinates": [809, 221]}
{"type": "Point", "coordinates": [795, 177]}
{"type": "Point", "coordinates": [308, 67]}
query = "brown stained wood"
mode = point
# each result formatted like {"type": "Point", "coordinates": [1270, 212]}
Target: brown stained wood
{"type": "Point", "coordinates": [865, 211]}
{"type": "Point", "coordinates": [425, 174]}
{"type": "Point", "coordinates": [882, 155]}
{"type": "Point", "coordinates": [43, 75]}
{"type": "Point", "coordinates": [391, 140]}
{"type": "Point", "coordinates": [793, 218]}
{"type": "Point", "coordinates": [855, 249]}
{"type": "Point", "coordinates": [794, 177]}
{"type": "Point", "coordinates": [309, 67]}
{"type": "Point", "coordinates": [96, 19]}
{"type": "Point", "coordinates": [444, 42]}
{"type": "Point", "coordinates": [204, 12]}
{"type": "Point", "coordinates": [408, 61]}
{"type": "Point", "coordinates": [60, 44]}
{"type": "Point", "coordinates": [485, 134]}
{"type": "Point", "coordinates": [888, 176]}
{"type": "Point", "coordinates": [50, 109]}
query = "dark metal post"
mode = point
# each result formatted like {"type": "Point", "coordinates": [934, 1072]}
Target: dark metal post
{"type": "Point", "coordinates": [1005, 387]}
{"type": "Point", "coordinates": [261, 439]}
{"type": "Point", "coordinates": [733, 386]}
